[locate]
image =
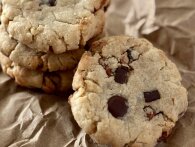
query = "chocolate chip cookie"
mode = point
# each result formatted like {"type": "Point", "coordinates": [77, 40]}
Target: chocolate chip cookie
{"type": "Point", "coordinates": [58, 81]}
{"type": "Point", "coordinates": [53, 25]}
{"type": "Point", "coordinates": [37, 60]}
{"type": "Point", "coordinates": [127, 93]}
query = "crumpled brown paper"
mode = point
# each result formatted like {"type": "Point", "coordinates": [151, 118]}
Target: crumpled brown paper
{"type": "Point", "coordinates": [30, 118]}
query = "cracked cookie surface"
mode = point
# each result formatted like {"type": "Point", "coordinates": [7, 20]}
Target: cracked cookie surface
{"type": "Point", "coordinates": [58, 81]}
{"type": "Point", "coordinates": [127, 93]}
{"type": "Point", "coordinates": [58, 25]}
{"type": "Point", "coordinates": [36, 60]}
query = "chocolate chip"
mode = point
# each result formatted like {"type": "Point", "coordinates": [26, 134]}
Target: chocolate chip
{"type": "Point", "coordinates": [51, 49]}
{"type": "Point", "coordinates": [121, 74]}
{"type": "Point", "coordinates": [52, 2]}
{"type": "Point", "coordinates": [48, 2]}
{"type": "Point", "coordinates": [117, 106]}
{"type": "Point", "coordinates": [108, 71]}
{"type": "Point", "coordinates": [151, 96]}
{"type": "Point", "coordinates": [106, 8]}
{"type": "Point", "coordinates": [106, 67]}
{"type": "Point", "coordinates": [129, 55]}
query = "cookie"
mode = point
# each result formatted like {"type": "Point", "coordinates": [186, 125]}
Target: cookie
{"type": "Point", "coordinates": [127, 93]}
{"type": "Point", "coordinates": [58, 81]}
{"type": "Point", "coordinates": [36, 60]}
{"type": "Point", "coordinates": [54, 25]}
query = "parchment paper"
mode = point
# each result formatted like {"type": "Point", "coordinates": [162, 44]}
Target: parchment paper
{"type": "Point", "coordinates": [30, 118]}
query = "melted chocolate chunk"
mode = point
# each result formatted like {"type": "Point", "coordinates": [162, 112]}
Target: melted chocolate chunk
{"type": "Point", "coordinates": [151, 96]}
{"type": "Point", "coordinates": [129, 55]}
{"type": "Point", "coordinates": [51, 49]}
{"type": "Point", "coordinates": [121, 74]}
{"type": "Point", "coordinates": [117, 106]}
{"type": "Point", "coordinates": [52, 2]}
{"type": "Point", "coordinates": [48, 2]}
{"type": "Point", "coordinates": [108, 71]}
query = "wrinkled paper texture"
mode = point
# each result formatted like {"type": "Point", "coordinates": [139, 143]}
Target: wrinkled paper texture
{"type": "Point", "coordinates": [30, 118]}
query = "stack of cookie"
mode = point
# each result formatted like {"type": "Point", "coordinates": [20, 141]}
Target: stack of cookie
{"type": "Point", "coordinates": [127, 92]}
{"type": "Point", "coordinates": [41, 41]}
